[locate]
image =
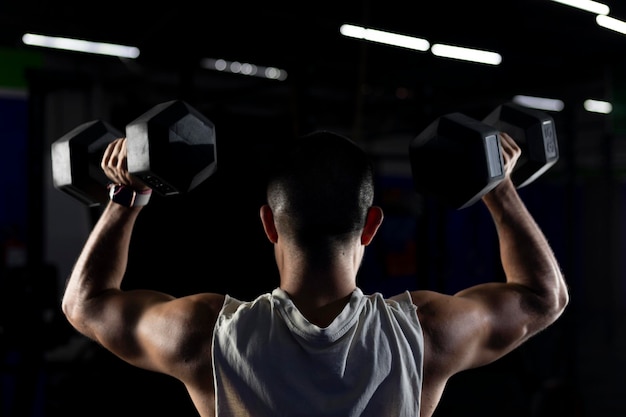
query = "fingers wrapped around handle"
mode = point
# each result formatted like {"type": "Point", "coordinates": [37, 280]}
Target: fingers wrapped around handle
{"type": "Point", "coordinates": [511, 152]}
{"type": "Point", "coordinates": [115, 165]}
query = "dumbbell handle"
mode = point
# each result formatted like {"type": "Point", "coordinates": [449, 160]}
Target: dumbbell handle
{"type": "Point", "coordinates": [534, 132]}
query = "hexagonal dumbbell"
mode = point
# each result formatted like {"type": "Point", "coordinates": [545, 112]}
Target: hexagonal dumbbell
{"type": "Point", "coordinates": [171, 148]}
{"type": "Point", "coordinates": [458, 159]}
{"type": "Point", "coordinates": [534, 132]}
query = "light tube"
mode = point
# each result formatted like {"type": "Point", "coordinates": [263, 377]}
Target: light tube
{"type": "Point", "coordinates": [611, 23]}
{"type": "Point", "coordinates": [387, 38]}
{"type": "Point", "coordinates": [466, 54]}
{"type": "Point", "coordinates": [587, 5]}
{"type": "Point", "coordinates": [69, 44]}
{"type": "Point", "coordinates": [539, 103]}
{"type": "Point", "coordinates": [598, 106]}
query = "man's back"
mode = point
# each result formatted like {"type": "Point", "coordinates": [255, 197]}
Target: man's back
{"type": "Point", "coordinates": [377, 356]}
{"type": "Point", "coordinates": [269, 360]}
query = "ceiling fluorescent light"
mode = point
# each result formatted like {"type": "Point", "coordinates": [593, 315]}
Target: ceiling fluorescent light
{"type": "Point", "coordinates": [387, 38]}
{"type": "Point", "coordinates": [611, 23]}
{"type": "Point", "coordinates": [466, 54]}
{"type": "Point", "coordinates": [598, 106]}
{"type": "Point", "coordinates": [539, 103]}
{"type": "Point", "coordinates": [587, 5]}
{"type": "Point", "coordinates": [69, 44]}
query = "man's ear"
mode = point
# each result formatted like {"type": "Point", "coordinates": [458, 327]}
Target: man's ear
{"type": "Point", "coordinates": [267, 218]}
{"type": "Point", "coordinates": [372, 222]}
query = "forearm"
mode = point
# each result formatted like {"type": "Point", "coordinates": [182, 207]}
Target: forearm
{"type": "Point", "coordinates": [102, 262]}
{"type": "Point", "coordinates": [526, 255]}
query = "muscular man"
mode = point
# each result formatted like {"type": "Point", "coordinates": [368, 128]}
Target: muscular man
{"type": "Point", "coordinates": [316, 345]}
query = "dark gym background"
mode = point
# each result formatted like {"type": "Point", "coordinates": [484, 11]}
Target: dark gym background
{"type": "Point", "coordinates": [211, 238]}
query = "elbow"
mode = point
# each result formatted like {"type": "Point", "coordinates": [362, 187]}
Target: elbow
{"type": "Point", "coordinates": [75, 315]}
{"type": "Point", "coordinates": [549, 302]}
{"type": "Point", "coordinates": [72, 310]}
{"type": "Point", "coordinates": [562, 299]}
{"type": "Point", "coordinates": [558, 301]}
{"type": "Point", "coordinates": [69, 309]}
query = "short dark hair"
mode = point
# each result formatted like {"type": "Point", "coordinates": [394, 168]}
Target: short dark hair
{"type": "Point", "coordinates": [321, 187]}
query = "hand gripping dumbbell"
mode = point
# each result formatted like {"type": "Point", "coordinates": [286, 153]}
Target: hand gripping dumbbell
{"type": "Point", "coordinates": [171, 148]}
{"type": "Point", "coordinates": [458, 159]}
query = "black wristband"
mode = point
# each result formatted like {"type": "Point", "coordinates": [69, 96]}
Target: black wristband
{"type": "Point", "coordinates": [128, 197]}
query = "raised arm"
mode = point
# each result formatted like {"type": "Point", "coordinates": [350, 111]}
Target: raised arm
{"type": "Point", "coordinates": [482, 323]}
{"type": "Point", "coordinates": [535, 293]}
{"type": "Point", "coordinates": [146, 328]}
{"type": "Point", "coordinates": [91, 299]}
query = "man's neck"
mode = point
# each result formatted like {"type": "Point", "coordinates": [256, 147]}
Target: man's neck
{"type": "Point", "coordinates": [321, 312]}
{"type": "Point", "coordinates": [320, 302]}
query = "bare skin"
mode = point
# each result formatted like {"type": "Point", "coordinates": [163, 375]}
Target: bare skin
{"type": "Point", "coordinates": [462, 331]}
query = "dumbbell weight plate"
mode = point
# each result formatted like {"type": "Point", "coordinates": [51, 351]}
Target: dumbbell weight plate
{"type": "Point", "coordinates": [534, 132]}
{"type": "Point", "coordinates": [76, 160]}
{"type": "Point", "coordinates": [171, 147]}
{"type": "Point", "coordinates": [457, 159]}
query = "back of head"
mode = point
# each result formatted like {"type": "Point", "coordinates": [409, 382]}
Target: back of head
{"type": "Point", "coordinates": [321, 188]}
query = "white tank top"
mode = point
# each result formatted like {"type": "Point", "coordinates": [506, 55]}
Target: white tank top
{"type": "Point", "coordinates": [270, 361]}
